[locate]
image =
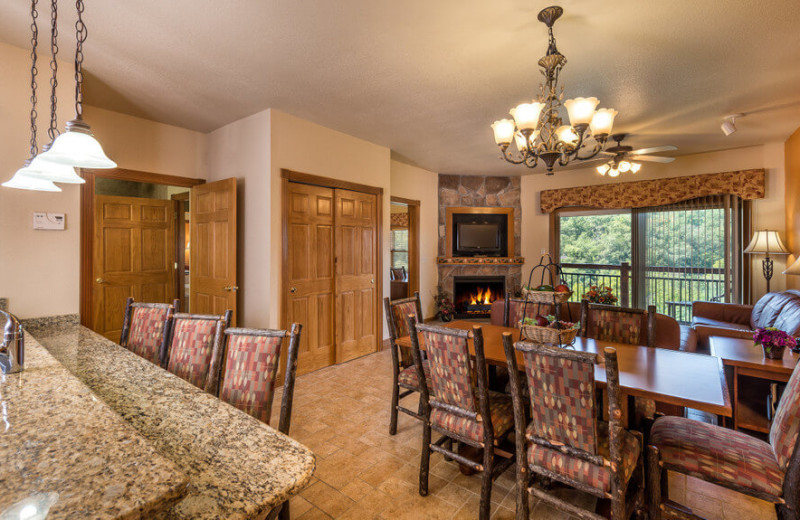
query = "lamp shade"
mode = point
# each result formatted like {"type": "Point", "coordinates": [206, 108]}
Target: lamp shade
{"type": "Point", "coordinates": [581, 110]}
{"type": "Point", "coordinates": [603, 121]}
{"type": "Point", "coordinates": [794, 268]}
{"type": "Point", "coordinates": [25, 180]}
{"type": "Point", "coordinates": [53, 172]}
{"type": "Point", "coordinates": [503, 131]}
{"type": "Point", "coordinates": [766, 242]}
{"type": "Point", "coordinates": [77, 147]}
{"type": "Point", "coordinates": [526, 115]}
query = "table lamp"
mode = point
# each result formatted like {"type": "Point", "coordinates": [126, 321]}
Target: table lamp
{"type": "Point", "coordinates": [766, 242]}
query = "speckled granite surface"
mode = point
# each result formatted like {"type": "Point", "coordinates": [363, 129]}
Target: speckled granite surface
{"type": "Point", "coordinates": [58, 440]}
{"type": "Point", "coordinates": [237, 466]}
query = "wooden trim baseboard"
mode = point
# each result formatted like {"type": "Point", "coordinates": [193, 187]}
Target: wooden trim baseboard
{"type": "Point", "coordinates": [316, 180]}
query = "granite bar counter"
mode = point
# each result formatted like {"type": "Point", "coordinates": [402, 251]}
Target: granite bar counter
{"type": "Point", "coordinates": [237, 467]}
{"type": "Point", "coordinates": [66, 454]}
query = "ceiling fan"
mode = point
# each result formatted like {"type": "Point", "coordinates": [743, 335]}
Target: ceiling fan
{"type": "Point", "coordinates": [623, 157]}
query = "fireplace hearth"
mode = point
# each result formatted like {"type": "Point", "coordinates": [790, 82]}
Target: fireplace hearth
{"type": "Point", "coordinates": [473, 295]}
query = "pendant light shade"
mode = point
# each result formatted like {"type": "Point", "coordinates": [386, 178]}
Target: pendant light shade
{"type": "Point", "coordinates": [77, 147]}
{"type": "Point", "coordinates": [26, 179]}
{"type": "Point", "coordinates": [52, 171]}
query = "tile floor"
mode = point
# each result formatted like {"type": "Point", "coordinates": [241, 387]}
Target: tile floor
{"type": "Point", "coordinates": [342, 414]}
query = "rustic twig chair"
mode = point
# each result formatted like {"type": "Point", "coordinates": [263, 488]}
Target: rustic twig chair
{"type": "Point", "coordinates": [461, 409]}
{"type": "Point", "coordinates": [146, 327]}
{"type": "Point", "coordinates": [728, 458]}
{"type": "Point", "coordinates": [618, 324]}
{"type": "Point", "coordinates": [247, 377]}
{"type": "Point", "coordinates": [564, 440]}
{"type": "Point", "coordinates": [195, 347]}
{"type": "Point", "coordinates": [404, 373]}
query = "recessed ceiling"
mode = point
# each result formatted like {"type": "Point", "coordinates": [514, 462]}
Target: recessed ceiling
{"type": "Point", "coordinates": [426, 79]}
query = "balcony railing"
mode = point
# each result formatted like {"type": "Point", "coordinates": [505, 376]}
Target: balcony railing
{"type": "Point", "coordinates": [671, 289]}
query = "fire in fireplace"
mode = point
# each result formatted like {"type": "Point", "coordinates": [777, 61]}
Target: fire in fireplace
{"type": "Point", "coordinates": [473, 295]}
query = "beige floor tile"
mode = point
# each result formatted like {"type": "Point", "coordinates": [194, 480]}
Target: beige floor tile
{"type": "Point", "coordinates": [314, 514]}
{"type": "Point", "coordinates": [356, 489]}
{"type": "Point", "coordinates": [327, 499]}
{"type": "Point", "coordinates": [298, 506]}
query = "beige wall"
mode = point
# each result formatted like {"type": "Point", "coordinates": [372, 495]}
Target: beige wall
{"type": "Point", "coordinates": [411, 182]}
{"type": "Point", "coordinates": [792, 200]}
{"type": "Point", "coordinates": [39, 270]}
{"type": "Point", "coordinates": [767, 212]}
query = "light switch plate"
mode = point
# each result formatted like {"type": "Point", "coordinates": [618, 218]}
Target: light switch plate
{"type": "Point", "coordinates": [48, 221]}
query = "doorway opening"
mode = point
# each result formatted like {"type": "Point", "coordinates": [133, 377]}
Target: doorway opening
{"type": "Point", "coordinates": [404, 248]}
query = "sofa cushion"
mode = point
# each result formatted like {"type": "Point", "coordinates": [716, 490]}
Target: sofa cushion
{"type": "Point", "coordinates": [768, 309]}
{"type": "Point", "coordinates": [708, 322]}
{"type": "Point", "coordinates": [789, 318]}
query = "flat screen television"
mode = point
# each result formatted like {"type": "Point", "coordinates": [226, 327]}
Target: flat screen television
{"type": "Point", "coordinates": [480, 235]}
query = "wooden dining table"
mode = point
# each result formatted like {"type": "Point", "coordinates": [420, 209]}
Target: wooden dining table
{"type": "Point", "coordinates": [667, 376]}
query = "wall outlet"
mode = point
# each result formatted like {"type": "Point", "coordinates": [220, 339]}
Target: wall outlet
{"type": "Point", "coordinates": [48, 221]}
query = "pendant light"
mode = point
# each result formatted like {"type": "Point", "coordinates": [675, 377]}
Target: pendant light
{"type": "Point", "coordinates": [24, 179]}
{"type": "Point", "coordinates": [77, 146]}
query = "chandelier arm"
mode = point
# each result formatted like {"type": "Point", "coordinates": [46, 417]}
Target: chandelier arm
{"type": "Point", "coordinates": [510, 157]}
{"type": "Point", "coordinates": [532, 163]}
{"type": "Point", "coordinates": [596, 149]}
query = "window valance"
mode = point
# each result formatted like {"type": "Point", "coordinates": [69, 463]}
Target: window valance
{"type": "Point", "coordinates": [746, 184]}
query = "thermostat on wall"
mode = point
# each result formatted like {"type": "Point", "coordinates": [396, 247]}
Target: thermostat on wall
{"type": "Point", "coordinates": [51, 221]}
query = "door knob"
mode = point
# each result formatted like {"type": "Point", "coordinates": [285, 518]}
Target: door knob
{"type": "Point", "coordinates": [100, 280]}
{"type": "Point", "coordinates": [372, 281]}
{"type": "Point", "coordinates": [232, 288]}
{"type": "Point", "coordinates": [293, 290]}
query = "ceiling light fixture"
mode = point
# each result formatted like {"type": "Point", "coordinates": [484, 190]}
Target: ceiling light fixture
{"type": "Point", "coordinates": [24, 178]}
{"type": "Point", "coordinates": [77, 146]}
{"type": "Point", "coordinates": [537, 127]}
{"type": "Point", "coordinates": [729, 124]}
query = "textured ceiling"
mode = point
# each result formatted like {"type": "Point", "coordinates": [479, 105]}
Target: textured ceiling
{"type": "Point", "coordinates": [426, 78]}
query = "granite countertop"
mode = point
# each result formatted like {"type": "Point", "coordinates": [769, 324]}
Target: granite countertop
{"type": "Point", "coordinates": [237, 466]}
{"type": "Point", "coordinates": [63, 448]}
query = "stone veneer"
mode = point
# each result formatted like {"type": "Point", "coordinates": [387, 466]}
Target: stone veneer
{"type": "Point", "coordinates": [480, 191]}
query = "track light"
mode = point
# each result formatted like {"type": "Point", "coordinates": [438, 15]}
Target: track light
{"type": "Point", "coordinates": [729, 124]}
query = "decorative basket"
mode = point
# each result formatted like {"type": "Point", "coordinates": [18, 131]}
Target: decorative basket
{"type": "Point", "coordinates": [546, 296]}
{"type": "Point", "coordinates": [547, 335]}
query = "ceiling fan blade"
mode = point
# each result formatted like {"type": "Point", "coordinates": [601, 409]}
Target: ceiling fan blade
{"type": "Point", "coordinates": [654, 149]}
{"type": "Point", "coordinates": [652, 158]}
{"type": "Point", "coordinates": [607, 154]}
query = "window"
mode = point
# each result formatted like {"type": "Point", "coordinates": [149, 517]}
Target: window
{"type": "Point", "coordinates": [667, 256]}
{"type": "Point", "coordinates": [400, 248]}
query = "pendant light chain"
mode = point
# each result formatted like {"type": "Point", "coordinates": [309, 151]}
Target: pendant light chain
{"type": "Point", "coordinates": [80, 36]}
{"type": "Point", "coordinates": [34, 73]}
{"type": "Point", "coordinates": [53, 132]}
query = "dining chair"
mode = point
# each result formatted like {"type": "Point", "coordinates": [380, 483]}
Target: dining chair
{"type": "Point", "coordinates": [459, 405]}
{"type": "Point", "coordinates": [768, 470]}
{"type": "Point", "coordinates": [564, 441]}
{"type": "Point", "coordinates": [404, 373]}
{"type": "Point", "coordinates": [514, 308]}
{"type": "Point", "coordinates": [146, 327]}
{"type": "Point", "coordinates": [618, 324]}
{"type": "Point", "coordinates": [248, 374]}
{"type": "Point", "coordinates": [195, 347]}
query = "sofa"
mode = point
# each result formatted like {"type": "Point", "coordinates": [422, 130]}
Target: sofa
{"type": "Point", "coordinates": [669, 333]}
{"type": "Point", "coordinates": [775, 309]}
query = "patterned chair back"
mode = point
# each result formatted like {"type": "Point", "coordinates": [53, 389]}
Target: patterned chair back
{"type": "Point", "coordinates": [618, 324]}
{"type": "Point", "coordinates": [452, 376]}
{"type": "Point", "coordinates": [562, 395]}
{"type": "Point", "coordinates": [786, 425]}
{"type": "Point", "coordinates": [516, 308]}
{"type": "Point", "coordinates": [196, 347]}
{"type": "Point", "coordinates": [146, 327]}
{"type": "Point", "coordinates": [397, 312]}
{"type": "Point", "coordinates": [250, 366]}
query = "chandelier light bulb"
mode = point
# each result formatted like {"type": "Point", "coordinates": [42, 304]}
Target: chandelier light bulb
{"type": "Point", "coordinates": [24, 179]}
{"type": "Point", "coordinates": [581, 110]}
{"type": "Point", "coordinates": [566, 134]}
{"type": "Point", "coordinates": [526, 115]}
{"type": "Point", "coordinates": [624, 166]}
{"type": "Point", "coordinates": [603, 169]}
{"type": "Point", "coordinates": [613, 172]}
{"type": "Point", "coordinates": [522, 143]}
{"type": "Point", "coordinates": [503, 131]}
{"type": "Point", "coordinates": [635, 167]}
{"type": "Point", "coordinates": [603, 121]}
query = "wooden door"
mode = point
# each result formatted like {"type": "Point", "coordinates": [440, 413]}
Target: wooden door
{"type": "Point", "coordinates": [309, 280]}
{"type": "Point", "coordinates": [134, 255]}
{"type": "Point", "coordinates": [212, 228]}
{"type": "Point", "coordinates": [355, 243]}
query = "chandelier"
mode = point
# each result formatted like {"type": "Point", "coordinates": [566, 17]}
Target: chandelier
{"type": "Point", "coordinates": [537, 128]}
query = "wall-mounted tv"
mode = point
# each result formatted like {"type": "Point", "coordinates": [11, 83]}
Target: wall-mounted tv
{"type": "Point", "coordinates": [480, 235]}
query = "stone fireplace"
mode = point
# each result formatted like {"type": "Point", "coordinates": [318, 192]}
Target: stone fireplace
{"type": "Point", "coordinates": [473, 295]}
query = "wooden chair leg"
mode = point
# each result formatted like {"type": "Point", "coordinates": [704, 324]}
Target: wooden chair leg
{"type": "Point", "coordinates": [654, 484]}
{"type": "Point", "coordinates": [424, 465]}
{"type": "Point", "coordinates": [284, 514]}
{"type": "Point", "coordinates": [486, 483]}
{"type": "Point", "coordinates": [394, 412]}
{"type": "Point", "coordinates": [522, 493]}
{"type": "Point", "coordinates": [449, 445]}
{"type": "Point", "coordinates": [784, 513]}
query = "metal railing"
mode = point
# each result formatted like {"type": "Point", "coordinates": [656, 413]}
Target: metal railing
{"type": "Point", "coordinates": [671, 289]}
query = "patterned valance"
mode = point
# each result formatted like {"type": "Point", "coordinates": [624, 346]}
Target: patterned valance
{"type": "Point", "coordinates": [746, 184]}
{"type": "Point", "coordinates": [399, 220]}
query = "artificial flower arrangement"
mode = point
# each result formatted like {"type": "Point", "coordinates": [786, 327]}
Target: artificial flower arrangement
{"type": "Point", "coordinates": [447, 308]}
{"type": "Point", "coordinates": [600, 294]}
{"type": "Point", "coordinates": [774, 342]}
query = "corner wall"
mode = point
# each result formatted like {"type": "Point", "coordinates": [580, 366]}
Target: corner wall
{"type": "Point", "coordinates": [768, 213]}
{"type": "Point", "coordinates": [792, 201]}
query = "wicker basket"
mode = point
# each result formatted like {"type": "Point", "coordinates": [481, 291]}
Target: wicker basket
{"type": "Point", "coordinates": [546, 296]}
{"type": "Point", "coordinates": [547, 335]}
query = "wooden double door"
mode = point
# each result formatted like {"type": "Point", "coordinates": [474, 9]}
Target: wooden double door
{"type": "Point", "coordinates": [134, 253]}
{"type": "Point", "coordinates": [331, 272]}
